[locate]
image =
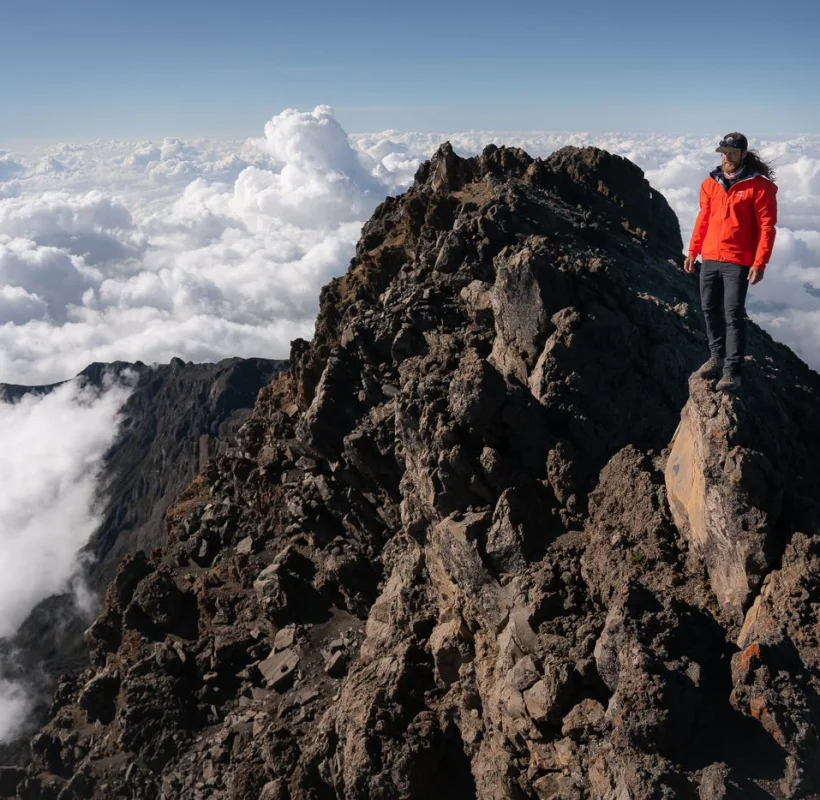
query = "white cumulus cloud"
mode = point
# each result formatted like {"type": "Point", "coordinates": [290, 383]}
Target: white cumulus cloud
{"type": "Point", "coordinates": [51, 456]}
{"type": "Point", "coordinates": [228, 261]}
{"type": "Point", "coordinates": [9, 168]}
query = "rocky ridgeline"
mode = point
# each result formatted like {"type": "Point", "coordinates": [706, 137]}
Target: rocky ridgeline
{"type": "Point", "coordinates": [486, 539]}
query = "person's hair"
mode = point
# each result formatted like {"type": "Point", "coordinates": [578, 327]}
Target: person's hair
{"type": "Point", "coordinates": [765, 168]}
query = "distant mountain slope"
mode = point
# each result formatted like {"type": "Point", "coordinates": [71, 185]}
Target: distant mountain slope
{"type": "Point", "coordinates": [177, 415]}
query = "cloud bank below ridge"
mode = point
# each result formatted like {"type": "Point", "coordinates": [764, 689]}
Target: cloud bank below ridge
{"type": "Point", "coordinates": [52, 454]}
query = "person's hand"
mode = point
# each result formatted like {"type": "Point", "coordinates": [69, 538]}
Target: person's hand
{"type": "Point", "coordinates": [689, 264]}
{"type": "Point", "coordinates": [755, 276]}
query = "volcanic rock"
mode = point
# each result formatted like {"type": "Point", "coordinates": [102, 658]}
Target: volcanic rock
{"type": "Point", "coordinates": [278, 669]}
{"type": "Point", "coordinates": [471, 477]}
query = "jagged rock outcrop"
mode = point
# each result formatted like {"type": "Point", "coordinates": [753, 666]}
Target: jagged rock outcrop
{"type": "Point", "coordinates": [175, 417]}
{"type": "Point", "coordinates": [449, 558]}
{"type": "Point", "coordinates": [738, 475]}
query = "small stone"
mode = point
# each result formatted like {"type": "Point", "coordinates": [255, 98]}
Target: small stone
{"type": "Point", "coordinates": [293, 476]}
{"type": "Point", "coordinates": [587, 671]}
{"type": "Point", "coordinates": [588, 714]}
{"type": "Point", "coordinates": [285, 638]}
{"type": "Point", "coordinates": [202, 554]}
{"type": "Point", "coordinates": [547, 786]}
{"type": "Point", "coordinates": [336, 644]}
{"type": "Point", "coordinates": [245, 547]}
{"type": "Point", "coordinates": [525, 673]}
{"type": "Point", "coordinates": [564, 751]}
{"type": "Point", "coordinates": [219, 754]}
{"type": "Point", "coordinates": [714, 783]}
{"type": "Point", "coordinates": [535, 698]}
{"type": "Point", "coordinates": [273, 791]}
{"type": "Point", "coordinates": [305, 696]}
{"type": "Point", "coordinates": [547, 700]}
{"type": "Point", "coordinates": [336, 665]}
{"type": "Point", "coordinates": [522, 632]}
{"type": "Point", "coordinates": [180, 651]}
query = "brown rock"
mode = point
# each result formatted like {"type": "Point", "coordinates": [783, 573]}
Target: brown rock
{"type": "Point", "coordinates": [537, 700]}
{"type": "Point", "coordinates": [246, 546]}
{"type": "Point", "coordinates": [274, 790]}
{"type": "Point", "coordinates": [285, 638]}
{"type": "Point", "coordinates": [279, 669]}
{"type": "Point", "coordinates": [585, 717]}
{"type": "Point", "coordinates": [336, 665]}
{"type": "Point", "coordinates": [725, 495]}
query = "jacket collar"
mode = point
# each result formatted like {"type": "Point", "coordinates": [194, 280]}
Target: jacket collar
{"type": "Point", "coordinates": [744, 173]}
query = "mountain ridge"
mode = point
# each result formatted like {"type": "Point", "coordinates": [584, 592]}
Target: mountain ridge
{"type": "Point", "coordinates": [474, 541]}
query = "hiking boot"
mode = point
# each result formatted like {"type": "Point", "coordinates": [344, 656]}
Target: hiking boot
{"type": "Point", "coordinates": [711, 369]}
{"type": "Point", "coordinates": [729, 383]}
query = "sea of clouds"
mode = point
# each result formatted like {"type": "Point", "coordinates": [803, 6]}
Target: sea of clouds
{"type": "Point", "coordinates": [116, 250]}
{"type": "Point", "coordinates": [202, 249]}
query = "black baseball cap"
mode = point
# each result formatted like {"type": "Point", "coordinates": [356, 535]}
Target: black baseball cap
{"type": "Point", "coordinates": [732, 141]}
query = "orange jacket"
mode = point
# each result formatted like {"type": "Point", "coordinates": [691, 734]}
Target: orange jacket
{"type": "Point", "coordinates": [736, 225]}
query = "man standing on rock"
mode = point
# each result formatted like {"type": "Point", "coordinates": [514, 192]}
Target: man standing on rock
{"type": "Point", "coordinates": [734, 233]}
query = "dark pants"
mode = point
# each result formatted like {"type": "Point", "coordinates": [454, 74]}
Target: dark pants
{"type": "Point", "coordinates": [723, 288]}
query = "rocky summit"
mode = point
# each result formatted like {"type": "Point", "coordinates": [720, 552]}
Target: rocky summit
{"type": "Point", "coordinates": [486, 538]}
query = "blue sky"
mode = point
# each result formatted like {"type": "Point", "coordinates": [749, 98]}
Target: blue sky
{"type": "Point", "coordinates": [82, 69]}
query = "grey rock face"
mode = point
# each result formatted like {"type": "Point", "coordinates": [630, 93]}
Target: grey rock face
{"type": "Point", "coordinates": [462, 516]}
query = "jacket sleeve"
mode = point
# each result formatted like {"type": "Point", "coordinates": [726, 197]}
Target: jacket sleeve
{"type": "Point", "coordinates": [701, 223]}
{"type": "Point", "coordinates": [766, 213]}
